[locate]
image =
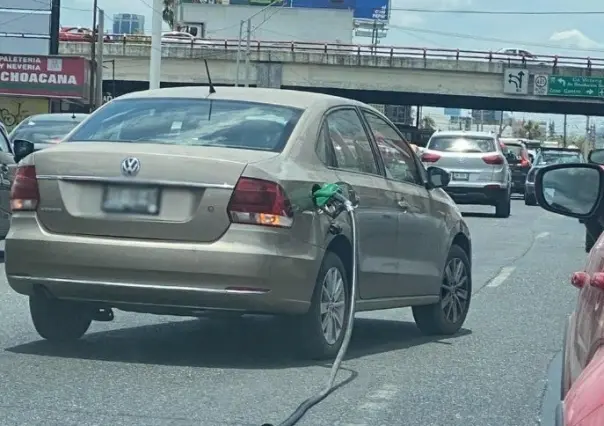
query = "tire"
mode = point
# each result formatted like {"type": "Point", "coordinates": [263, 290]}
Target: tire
{"type": "Point", "coordinates": [315, 344]}
{"type": "Point", "coordinates": [589, 241]}
{"type": "Point", "coordinates": [530, 200]}
{"type": "Point", "coordinates": [504, 207]}
{"type": "Point", "coordinates": [59, 320]}
{"type": "Point", "coordinates": [435, 319]}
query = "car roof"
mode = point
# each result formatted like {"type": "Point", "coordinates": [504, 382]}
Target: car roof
{"type": "Point", "coordinates": [289, 98]}
{"type": "Point", "coordinates": [61, 116]}
{"type": "Point", "coordinates": [462, 133]}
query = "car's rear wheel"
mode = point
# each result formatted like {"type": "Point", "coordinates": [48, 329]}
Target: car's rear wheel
{"type": "Point", "coordinates": [448, 315]}
{"type": "Point", "coordinates": [324, 324]}
{"type": "Point", "coordinates": [530, 200]}
{"type": "Point", "coordinates": [504, 207]}
{"type": "Point", "coordinates": [59, 320]}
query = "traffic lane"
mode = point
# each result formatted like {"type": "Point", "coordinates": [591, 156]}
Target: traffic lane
{"type": "Point", "coordinates": [497, 243]}
{"type": "Point", "coordinates": [496, 371]}
{"type": "Point", "coordinates": [160, 370]}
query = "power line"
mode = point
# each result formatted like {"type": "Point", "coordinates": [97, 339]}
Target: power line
{"type": "Point", "coordinates": [498, 12]}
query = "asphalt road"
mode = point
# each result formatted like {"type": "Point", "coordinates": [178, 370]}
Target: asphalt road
{"type": "Point", "coordinates": [146, 370]}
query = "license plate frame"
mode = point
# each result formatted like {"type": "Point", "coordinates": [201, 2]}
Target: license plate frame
{"type": "Point", "coordinates": [460, 176]}
{"type": "Point", "coordinates": [149, 208]}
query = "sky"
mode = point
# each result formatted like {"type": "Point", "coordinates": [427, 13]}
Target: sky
{"type": "Point", "coordinates": [566, 35]}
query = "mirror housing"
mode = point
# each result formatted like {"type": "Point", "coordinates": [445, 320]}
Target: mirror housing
{"type": "Point", "coordinates": [573, 190]}
{"type": "Point", "coordinates": [596, 156]}
{"type": "Point", "coordinates": [22, 148]}
{"type": "Point", "coordinates": [437, 177]}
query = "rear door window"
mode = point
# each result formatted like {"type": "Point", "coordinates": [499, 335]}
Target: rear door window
{"type": "Point", "coordinates": [462, 144]}
{"type": "Point", "coordinates": [351, 146]}
{"type": "Point", "coordinates": [199, 122]}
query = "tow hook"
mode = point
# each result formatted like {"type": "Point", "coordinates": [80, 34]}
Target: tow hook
{"type": "Point", "coordinates": [103, 314]}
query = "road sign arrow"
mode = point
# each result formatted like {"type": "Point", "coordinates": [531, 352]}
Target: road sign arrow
{"type": "Point", "coordinates": [562, 81]}
{"type": "Point", "coordinates": [589, 92]}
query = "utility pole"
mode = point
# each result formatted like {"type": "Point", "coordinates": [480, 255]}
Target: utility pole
{"type": "Point", "coordinates": [239, 52]}
{"type": "Point", "coordinates": [95, 6]}
{"type": "Point", "coordinates": [55, 24]}
{"type": "Point", "coordinates": [247, 52]}
{"type": "Point", "coordinates": [99, 62]}
{"type": "Point", "coordinates": [155, 62]}
{"type": "Point", "coordinates": [587, 144]}
{"type": "Point", "coordinates": [564, 137]}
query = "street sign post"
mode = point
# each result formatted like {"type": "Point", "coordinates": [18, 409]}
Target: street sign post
{"type": "Point", "coordinates": [577, 87]}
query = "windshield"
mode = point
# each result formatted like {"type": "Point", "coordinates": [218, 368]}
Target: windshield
{"type": "Point", "coordinates": [202, 122]}
{"type": "Point", "coordinates": [558, 157]}
{"type": "Point", "coordinates": [44, 131]}
{"type": "Point", "coordinates": [462, 144]}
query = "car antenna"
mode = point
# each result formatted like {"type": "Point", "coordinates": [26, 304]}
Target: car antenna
{"type": "Point", "coordinates": [73, 117]}
{"type": "Point", "coordinates": [212, 88]}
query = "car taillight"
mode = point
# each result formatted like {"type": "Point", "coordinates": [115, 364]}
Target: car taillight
{"type": "Point", "coordinates": [579, 279]}
{"type": "Point", "coordinates": [430, 158]}
{"type": "Point", "coordinates": [493, 159]}
{"type": "Point", "coordinates": [525, 162]}
{"type": "Point", "coordinates": [260, 202]}
{"type": "Point", "coordinates": [24, 194]}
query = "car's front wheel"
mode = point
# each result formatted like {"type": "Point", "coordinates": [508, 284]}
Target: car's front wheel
{"type": "Point", "coordinates": [448, 315]}
{"type": "Point", "coordinates": [324, 325]}
{"type": "Point", "coordinates": [59, 320]}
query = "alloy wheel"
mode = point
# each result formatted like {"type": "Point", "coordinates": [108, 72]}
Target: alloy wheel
{"type": "Point", "coordinates": [333, 305]}
{"type": "Point", "coordinates": [454, 290]}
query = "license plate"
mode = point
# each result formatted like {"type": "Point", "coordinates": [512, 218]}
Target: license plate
{"type": "Point", "coordinates": [460, 176]}
{"type": "Point", "coordinates": [131, 199]}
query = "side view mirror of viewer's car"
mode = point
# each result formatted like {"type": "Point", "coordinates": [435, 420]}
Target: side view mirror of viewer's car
{"type": "Point", "coordinates": [437, 177]}
{"type": "Point", "coordinates": [596, 156]}
{"type": "Point", "coordinates": [22, 148]}
{"type": "Point", "coordinates": [573, 190]}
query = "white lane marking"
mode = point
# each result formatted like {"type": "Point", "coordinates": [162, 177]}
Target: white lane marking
{"type": "Point", "coordinates": [541, 235]}
{"type": "Point", "coordinates": [506, 271]}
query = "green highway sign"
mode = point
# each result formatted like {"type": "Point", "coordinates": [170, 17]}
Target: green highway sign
{"type": "Point", "coordinates": [579, 87]}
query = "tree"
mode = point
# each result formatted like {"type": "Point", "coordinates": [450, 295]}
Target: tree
{"type": "Point", "coordinates": [168, 13]}
{"type": "Point", "coordinates": [529, 130]}
{"type": "Point", "coordinates": [427, 123]}
{"type": "Point", "coordinates": [551, 130]}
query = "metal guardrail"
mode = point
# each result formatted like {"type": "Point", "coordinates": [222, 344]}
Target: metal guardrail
{"type": "Point", "coordinates": [367, 50]}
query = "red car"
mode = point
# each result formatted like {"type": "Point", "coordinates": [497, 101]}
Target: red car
{"type": "Point", "coordinates": [577, 190]}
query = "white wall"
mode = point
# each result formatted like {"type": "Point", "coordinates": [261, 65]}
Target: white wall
{"type": "Point", "coordinates": [274, 24]}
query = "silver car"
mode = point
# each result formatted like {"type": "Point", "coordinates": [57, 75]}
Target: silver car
{"type": "Point", "coordinates": [480, 173]}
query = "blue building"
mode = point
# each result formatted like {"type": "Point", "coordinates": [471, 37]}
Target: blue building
{"type": "Point", "coordinates": [127, 23]}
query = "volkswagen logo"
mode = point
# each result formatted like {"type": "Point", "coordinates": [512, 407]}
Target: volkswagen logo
{"type": "Point", "coordinates": [131, 166]}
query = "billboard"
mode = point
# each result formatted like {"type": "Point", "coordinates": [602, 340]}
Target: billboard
{"type": "Point", "coordinates": [372, 10]}
{"type": "Point", "coordinates": [44, 76]}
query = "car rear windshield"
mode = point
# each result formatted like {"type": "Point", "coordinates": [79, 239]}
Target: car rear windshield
{"type": "Point", "coordinates": [200, 122]}
{"type": "Point", "coordinates": [514, 149]}
{"type": "Point", "coordinates": [44, 131]}
{"type": "Point", "coordinates": [556, 157]}
{"type": "Point", "coordinates": [462, 144]}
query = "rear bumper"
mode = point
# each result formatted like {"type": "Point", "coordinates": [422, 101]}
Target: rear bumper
{"type": "Point", "coordinates": [250, 269]}
{"type": "Point", "coordinates": [519, 181]}
{"type": "Point", "coordinates": [485, 195]}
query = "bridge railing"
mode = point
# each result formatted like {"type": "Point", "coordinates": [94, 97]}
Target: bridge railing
{"type": "Point", "coordinates": [367, 51]}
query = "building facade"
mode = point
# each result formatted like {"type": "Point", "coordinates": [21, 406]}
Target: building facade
{"type": "Point", "coordinates": [128, 23]}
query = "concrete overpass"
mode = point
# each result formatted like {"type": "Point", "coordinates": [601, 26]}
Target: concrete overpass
{"type": "Point", "coordinates": [388, 75]}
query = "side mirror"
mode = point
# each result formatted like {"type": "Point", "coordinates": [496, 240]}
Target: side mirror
{"type": "Point", "coordinates": [22, 148]}
{"type": "Point", "coordinates": [437, 177]}
{"type": "Point", "coordinates": [596, 156]}
{"type": "Point", "coordinates": [573, 190]}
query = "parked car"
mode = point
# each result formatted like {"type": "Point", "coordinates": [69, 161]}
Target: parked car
{"type": "Point", "coordinates": [479, 171]}
{"type": "Point", "coordinates": [45, 130]}
{"type": "Point", "coordinates": [179, 201]}
{"type": "Point", "coordinates": [576, 190]}
{"type": "Point", "coordinates": [518, 158]}
{"type": "Point", "coordinates": [547, 156]}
